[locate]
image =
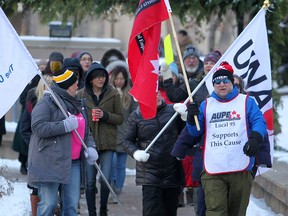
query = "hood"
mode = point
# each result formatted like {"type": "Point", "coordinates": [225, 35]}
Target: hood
{"type": "Point", "coordinates": [94, 69]}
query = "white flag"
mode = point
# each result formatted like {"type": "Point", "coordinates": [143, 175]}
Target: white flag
{"type": "Point", "coordinates": [250, 58]}
{"type": "Point", "coordinates": [17, 67]}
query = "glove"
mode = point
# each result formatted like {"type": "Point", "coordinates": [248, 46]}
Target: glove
{"type": "Point", "coordinates": [193, 110]}
{"type": "Point", "coordinates": [181, 109]}
{"type": "Point", "coordinates": [165, 71]}
{"type": "Point", "coordinates": [252, 146]}
{"type": "Point", "coordinates": [91, 155]}
{"type": "Point", "coordinates": [70, 123]}
{"type": "Point", "coordinates": [141, 156]}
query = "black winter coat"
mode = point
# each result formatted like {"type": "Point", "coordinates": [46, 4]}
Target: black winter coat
{"type": "Point", "coordinates": [161, 169]}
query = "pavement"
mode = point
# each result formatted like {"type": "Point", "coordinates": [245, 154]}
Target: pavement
{"type": "Point", "coordinates": [130, 198]}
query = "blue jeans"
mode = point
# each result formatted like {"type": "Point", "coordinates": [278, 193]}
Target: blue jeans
{"type": "Point", "coordinates": [69, 193]}
{"type": "Point", "coordinates": [118, 172]}
{"type": "Point", "coordinates": [105, 161]}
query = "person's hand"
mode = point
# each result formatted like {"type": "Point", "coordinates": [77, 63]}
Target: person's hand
{"type": "Point", "coordinates": [141, 156]}
{"type": "Point", "coordinates": [165, 71]}
{"type": "Point", "coordinates": [252, 146]}
{"type": "Point", "coordinates": [193, 110]}
{"type": "Point", "coordinates": [91, 155]}
{"type": "Point", "coordinates": [181, 109]}
{"type": "Point", "coordinates": [70, 123]}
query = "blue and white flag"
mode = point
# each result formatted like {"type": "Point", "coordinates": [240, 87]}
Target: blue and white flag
{"type": "Point", "coordinates": [17, 67]}
{"type": "Point", "coordinates": [250, 58]}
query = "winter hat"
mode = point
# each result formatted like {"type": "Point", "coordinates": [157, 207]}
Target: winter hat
{"type": "Point", "coordinates": [110, 56]}
{"type": "Point", "coordinates": [213, 56]}
{"type": "Point", "coordinates": [65, 79]}
{"type": "Point", "coordinates": [174, 69]}
{"type": "Point", "coordinates": [72, 64]}
{"type": "Point", "coordinates": [56, 56]}
{"type": "Point", "coordinates": [190, 51]}
{"type": "Point", "coordinates": [223, 70]}
{"type": "Point", "coordinates": [110, 67]}
{"type": "Point", "coordinates": [79, 56]}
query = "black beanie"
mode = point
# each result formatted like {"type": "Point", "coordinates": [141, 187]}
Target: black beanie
{"type": "Point", "coordinates": [56, 56]}
{"type": "Point", "coordinates": [224, 70]}
{"type": "Point", "coordinates": [66, 79]}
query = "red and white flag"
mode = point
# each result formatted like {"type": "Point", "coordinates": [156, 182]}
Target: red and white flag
{"type": "Point", "coordinates": [17, 67]}
{"type": "Point", "coordinates": [143, 53]}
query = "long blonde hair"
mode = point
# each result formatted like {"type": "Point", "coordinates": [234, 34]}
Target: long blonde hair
{"type": "Point", "coordinates": [39, 91]}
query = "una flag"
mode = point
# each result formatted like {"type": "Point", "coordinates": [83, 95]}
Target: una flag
{"type": "Point", "coordinates": [143, 53]}
{"type": "Point", "coordinates": [250, 59]}
{"type": "Point", "coordinates": [17, 67]}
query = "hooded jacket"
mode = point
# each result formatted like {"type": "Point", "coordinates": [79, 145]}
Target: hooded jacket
{"type": "Point", "coordinates": [105, 130]}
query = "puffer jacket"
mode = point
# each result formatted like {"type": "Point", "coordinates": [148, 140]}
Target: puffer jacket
{"type": "Point", "coordinates": [161, 169]}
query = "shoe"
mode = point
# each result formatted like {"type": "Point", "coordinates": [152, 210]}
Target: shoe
{"type": "Point", "coordinates": [23, 169]}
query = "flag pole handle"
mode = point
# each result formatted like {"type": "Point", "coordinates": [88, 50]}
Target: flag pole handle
{"type": "Point", "coordinates": [182, 67]}
{"type": "Point", "coordinates": [81, 140]}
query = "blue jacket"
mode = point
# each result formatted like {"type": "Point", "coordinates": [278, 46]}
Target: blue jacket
{"type": "Point", "coordinates": [254, 118]}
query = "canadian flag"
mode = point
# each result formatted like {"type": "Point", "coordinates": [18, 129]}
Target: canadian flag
{"type": "Point", "coordinates": [143, 53]}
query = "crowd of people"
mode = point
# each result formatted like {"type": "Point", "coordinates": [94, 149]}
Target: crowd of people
{"type": "Point", "coordinates": [82, 119]}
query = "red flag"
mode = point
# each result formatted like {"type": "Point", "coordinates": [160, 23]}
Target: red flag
{"type": "Point", "coordinates": [143, 54]}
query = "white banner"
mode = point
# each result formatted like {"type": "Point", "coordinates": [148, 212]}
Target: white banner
{"type": "Point", "coordinates": [250, 58]}
{"type": "Point", "coordinates": [17, 67]}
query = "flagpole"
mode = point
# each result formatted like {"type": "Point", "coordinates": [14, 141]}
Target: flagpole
{"type": "Point", "coordinates": [81, 140]}
{"type": "Point", "coordinates": [181, 63]}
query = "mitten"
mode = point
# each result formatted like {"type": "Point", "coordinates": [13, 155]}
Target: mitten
{"type": "Point", "coordinates": [141, 156]}
{"type": "Point", "coordinates": [252, 146]}
{"type": "Point", "coordinates": [181, 109]}
{"type": "Point", "coordinates": [193, 110]}
{"type": "Point", "coordinates": [165, 71]}
{"type": "Point", "coordinates": [91, 155]}
{"type": "Point", "coordinates": [70, 123]}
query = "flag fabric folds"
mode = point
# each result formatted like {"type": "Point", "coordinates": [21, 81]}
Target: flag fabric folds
{"type": "Point", "coordinates": [143, 54]}
{"type": "Point", "coordinates": [17, 67]}
{"type": "Point", "coordinates": [250, 58]}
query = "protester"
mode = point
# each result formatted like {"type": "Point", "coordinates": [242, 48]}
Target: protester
{"type": "Point", "coordinates": [110, 56]}
{"type": "Point", "coordinates": [195, 73]}
{"type": "Point", "coordinates": [183, 40]}
{"type": "Point", "coordinates": [119, 78]}
{"type": "Point", "coordinates": [159, 174]}
{"type": "Point", "coordinates": [233, 127]}
{"type": "Point", "coordinates": [56, 155]}
{"type": "Point", "coordinates": [85, 59]}
{"type": "Point", "coordinates": [18, 144]}
{"type": "Point", "coordinates": [105, 102]}
{"type": "Point", "coordinates": [54, 63]}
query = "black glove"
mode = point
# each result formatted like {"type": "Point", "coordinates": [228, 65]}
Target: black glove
{"type": "Point", "coordinates": [252, 146]}
{"type": "Point", "coordinates": [192, 109]}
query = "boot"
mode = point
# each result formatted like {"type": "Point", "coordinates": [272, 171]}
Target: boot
{"type": "Point", "coordinates": [34, 199]}
{"type": "Point", "coordinates": [103, 211]}
{"type": "Point", "coordinates": [189, 194]}
{"type": "Point", "coordinates": [181, 199]}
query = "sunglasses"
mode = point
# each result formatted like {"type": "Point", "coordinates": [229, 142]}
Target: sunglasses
{"type": "Point", "coordinates": [224, 80]}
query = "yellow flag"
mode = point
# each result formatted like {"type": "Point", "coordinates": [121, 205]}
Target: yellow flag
{"type": "Point", "coordinates": [168, 52]}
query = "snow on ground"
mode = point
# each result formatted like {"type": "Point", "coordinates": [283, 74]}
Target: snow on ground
{"type": "Point", "coordinates": [18, 202]}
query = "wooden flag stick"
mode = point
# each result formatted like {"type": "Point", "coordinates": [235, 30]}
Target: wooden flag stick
{"type": "Point", "coordinates": [183, 68]}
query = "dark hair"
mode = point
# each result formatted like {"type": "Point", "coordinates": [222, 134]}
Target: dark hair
{"type": "Point", "coordinates": [183, 32]}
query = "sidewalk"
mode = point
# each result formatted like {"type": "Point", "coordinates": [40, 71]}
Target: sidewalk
{"type": "Point", "coordinates": [131, 200]}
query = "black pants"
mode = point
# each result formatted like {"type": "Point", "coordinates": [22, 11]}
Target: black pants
{"type": "Point", "coordinates": [160, 201]}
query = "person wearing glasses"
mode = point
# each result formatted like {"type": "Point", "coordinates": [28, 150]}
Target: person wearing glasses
{"type": "Point", "coordinates": [233, 128]}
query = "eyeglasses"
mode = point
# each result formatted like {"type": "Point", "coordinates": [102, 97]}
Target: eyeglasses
{"type": "Point", "coordinates": [224, 80]}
